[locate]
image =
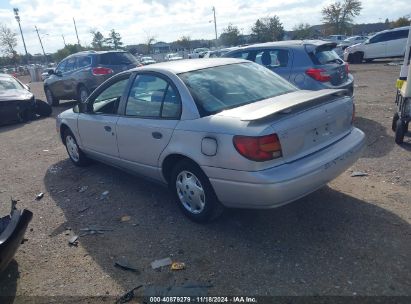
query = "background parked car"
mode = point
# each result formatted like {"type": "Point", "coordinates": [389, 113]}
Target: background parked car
{"type": "Point", "coordinates": [17, 103]}
{"type": "Point", "coordinates": [351, 41]}
{"type": "Point", "coordinates": [310, 65]}
{"type": "Point", "coordinates": [218, 53]}
{"type": "Point", "coordinates": [198, 53]}
{"type": "Point", "coordinates": [385, 44]}
{"type": "Point", "coordinates": [76, 76]}
{"type": "Point", "coordinates": [147, 60]}
{"type": "Point", "coordinates": [335, 38]}
{"type": "Point", "coordinates": [172, 57]}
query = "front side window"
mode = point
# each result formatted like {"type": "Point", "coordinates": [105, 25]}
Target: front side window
{"type": "Point", "coordinates": [108, 100]}
{"type": "Point", "coordinates": [152, 97]}
{"type": "Point", "coordinates": [215, 89]}
{"type": "Point", "coordinates": [71, 64]}
{"type": "Point", "coordinates": [376, 38]}
{"type": "Point", "coordinates": [60, 68]}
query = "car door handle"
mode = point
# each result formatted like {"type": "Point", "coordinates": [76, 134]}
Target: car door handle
{"type": "Point", "coordinates": [107, 128]}
{"type": "Point", "coordinates": [157, 135]}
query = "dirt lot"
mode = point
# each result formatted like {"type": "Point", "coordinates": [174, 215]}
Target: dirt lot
{"type": "Point", "coordinates": [352, 237]}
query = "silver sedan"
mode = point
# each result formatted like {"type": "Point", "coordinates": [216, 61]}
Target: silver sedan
{"type": "Point", "coordinates": [219, 132]}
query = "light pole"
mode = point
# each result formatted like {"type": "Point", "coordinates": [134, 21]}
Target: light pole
{"type": "Point", "coordinates": [75, 27]}
{"type": "Point", "coordinates": [16, 15]}
{"type": "Point", "coordinates": [41, 43]}
{"type": "Point", "coordinates": [215, 27]}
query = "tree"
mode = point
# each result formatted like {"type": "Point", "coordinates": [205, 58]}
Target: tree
{"type": "Point", "coordinates": [302, 31]}
{"type": "Point", "coordinates": [402, 21]}
{"type": "Point", "coordinates": [339, 15]}
{"type": "Point", "coordinates": [184, 42]}
{"type": "Point", "coordinates": [8, 42]}
{"type": "Point", "coordinates": [150, 39]}
{"type": "Point", "coordinates": [230, 36]}
{"type": "Point", "coordinates": [67, 50]}
{"type": "Point", "coordinates": [114, 40]}
{"type": "Point", "coordinates": [98, 40]}
{"type": "Point", "coordinates": [267, 29]}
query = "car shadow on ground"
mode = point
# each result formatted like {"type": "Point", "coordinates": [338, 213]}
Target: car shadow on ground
{"type": "Point", "coordinates": [378, 142]}
{"type": "Point", "coordinates": [8, 283]}
{"type": "Point", "coordinates": [326, 243]}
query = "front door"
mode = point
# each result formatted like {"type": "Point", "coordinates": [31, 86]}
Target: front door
{"type": "Point", "coordinates": [97, 126]}
{"type": "Point", "coordinates": [152, 111]}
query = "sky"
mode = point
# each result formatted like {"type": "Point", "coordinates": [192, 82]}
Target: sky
{"type": "Point", "coordinates": [166, 20]}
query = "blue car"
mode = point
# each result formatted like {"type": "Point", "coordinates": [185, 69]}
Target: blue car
{"type": "Point", "coordinates": [308, 64]}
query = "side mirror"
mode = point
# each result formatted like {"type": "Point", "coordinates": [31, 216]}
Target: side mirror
{"type": "Point", "coordinates": [82, 106]}
{"type": "Point", "coordinates": [50, 72]}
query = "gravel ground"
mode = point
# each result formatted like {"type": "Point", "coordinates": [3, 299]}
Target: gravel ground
{"type": "Point", "coordinates": [352, 237]}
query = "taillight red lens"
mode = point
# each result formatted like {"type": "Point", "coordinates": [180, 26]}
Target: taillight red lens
{"type": "Point", "coordinates": [258, 148]}
{"type": "Point", "coordinates": [318, 74]}
{"type": "Point", "coordinates": [101, 71]}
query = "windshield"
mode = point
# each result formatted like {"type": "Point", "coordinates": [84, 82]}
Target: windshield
{"type": "Point", "coordinates": [223, 87]}
{"type": "Point", "coordinates": [9, 84]}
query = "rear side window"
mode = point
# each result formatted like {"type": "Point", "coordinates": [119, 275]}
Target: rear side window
{"type": "Point", "coordinates": [272, 58]}
{"type": "Point", "coordinates": [241, 55]}
{"type": "Point", "coordinates": [83, 61]}
{"type": "Point", "coordinates": [399, 34]}
{"type": "Point", "coordinates": [120, 58]}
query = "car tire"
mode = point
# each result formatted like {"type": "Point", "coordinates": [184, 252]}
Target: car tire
{"type": "Point", "coordinates": [193, 193]}
{"type": "Point", "coordinates": [394, 122]}
{"type": "Point", "coordinates": [357, 57]}
{"type": "Point", "coordinates": [82, 94]}
{"type": "Point", "coordinates": [75, 154]}
{"type": "Point", "coordinates": [400, 131]}
{"type": "Point", "coordinates": [51, 100]}
{"type": "Point", "coordinates": [43, 108]}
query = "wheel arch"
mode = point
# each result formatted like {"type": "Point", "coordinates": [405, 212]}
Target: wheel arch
{"type": "Point", "coordinates": [170, 161]}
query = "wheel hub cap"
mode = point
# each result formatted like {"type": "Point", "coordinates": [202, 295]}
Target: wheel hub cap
{"type": "Point", "coordinates": [190, 192]}
{"type": "Point", "coordinates": [72, 148]}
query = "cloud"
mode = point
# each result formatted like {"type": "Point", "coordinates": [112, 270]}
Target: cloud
{"type": "Point", "coordinates": [167, 20]}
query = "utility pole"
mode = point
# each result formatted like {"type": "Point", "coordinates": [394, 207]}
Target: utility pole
{"type": "Point", "coordinates": [16, 15]}
{"type": "Point", "coordinates": [75, 27]}
{"type": "Point", "coordinates": [44, 53]}
{"type": "Point", "coordinates": [64, 40]}
{"type": "Point", "coordinates": [215, 27]}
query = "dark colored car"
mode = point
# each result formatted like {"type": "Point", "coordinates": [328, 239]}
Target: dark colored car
{"type": "Point", "coordinates": [76, 76]}
{"type": "Point", "coordinates": [308, 64]}
{"type": "Point", "coordinates": [17, 103]}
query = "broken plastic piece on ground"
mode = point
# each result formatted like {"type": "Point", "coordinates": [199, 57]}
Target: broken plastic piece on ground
{"type": "Point", "coordinates": [125, 265]}
{"type": "Point", "coordinates": [125, 218]}
{"type": "Point", "coordinates": [83, 189]}
{"type": "Point", "coordinates": [12, 229]}
{"type": "Point", "coordinates": [178, 266]}
{"type": "Point", "coordinates": [128, 296]}
{"type": "Point", "coordinates": [104, 195]}
{"type": "Point", "coordinates": [73, 241]}
{"type": "Point", "coordinates": [358, 174]}
{"type": "Point", "coordinates": [83, 209]}
{"type": "Point", "coordinates": [161, 263]}
{"type": "Point", "coordinates": [39, 196]}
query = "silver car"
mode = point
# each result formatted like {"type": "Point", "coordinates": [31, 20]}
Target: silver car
{"type": "Point", "coordinates": [219, 132]}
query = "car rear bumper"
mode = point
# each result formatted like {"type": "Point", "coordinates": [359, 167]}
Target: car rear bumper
{"type": "Point", "coordinates": [288, 182]}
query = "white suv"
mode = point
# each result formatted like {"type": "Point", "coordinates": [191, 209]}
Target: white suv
{"type": "Point", "coordinates": [385, 44]}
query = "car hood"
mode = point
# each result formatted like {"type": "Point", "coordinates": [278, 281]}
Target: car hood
{"type": "Point", "coordinates": [15, 95]}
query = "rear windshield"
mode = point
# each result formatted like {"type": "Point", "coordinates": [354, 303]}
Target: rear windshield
{"type": "Point", "coordinates": [323, 55]}
{"type": "Point", "coordinates": [117, 58]}
{"type": "Point", "coordinates": [223, 87]}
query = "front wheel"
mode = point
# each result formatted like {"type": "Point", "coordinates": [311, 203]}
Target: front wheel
{"type": "Point", "coordinates": [194, 193]}
{"type": "Point", "coordinates": [76, 155]}
{"type": "Point", "coordinates": [400, 131]}
{"type": "Point", "coordinates": [51, 100]}
{"type": "Point", "coordinates": [394, 122]}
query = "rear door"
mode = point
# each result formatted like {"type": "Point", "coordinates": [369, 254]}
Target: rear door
{"type": "Point", "coordinates": [151, 113]}
{"type": "Point", "coordinates": [396, 44]}
{"type": "Point", "coordinates": [376, 46]}
{"type": "Point", "coordinates": [97, 127]}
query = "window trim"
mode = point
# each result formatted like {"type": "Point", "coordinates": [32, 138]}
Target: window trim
{"type": "Point", "coordinates": [169, 83]}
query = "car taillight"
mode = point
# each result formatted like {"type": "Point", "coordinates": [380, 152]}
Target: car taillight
{"type": "Point", "coordinates": [347, 68]}
{"type": "Point", "coordinates": [258, 148]}
{"type": "Point", "coordinates": [318, 74]}
{"type": "Point", "coordinates": [101, 71]}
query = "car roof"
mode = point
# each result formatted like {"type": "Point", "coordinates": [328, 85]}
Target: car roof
{"type": "Point", "coordinates": [287, 43]}
{"type": "Point", "coordinates": [394, 29]}
{"type": "Point", "coordinates": [188, 65]}
{"type": "Point", "coordinates": [91, 52]}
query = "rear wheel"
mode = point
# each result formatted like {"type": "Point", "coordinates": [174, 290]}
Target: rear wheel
{"type": "Point", "coordinates": [76, 155]}
{"type": "Point", "coordinates": [394, 122]}
{"type": "Point", "coordinates": [357, 57]}
{"type": "Point", "coordinates": [194, 193]}
{"type": "Point", "coordinates": [82, 94]}
{"type": "Point", "coordinates": [51, 100]}
{"type": "Point", "coordinates": [400, 131]}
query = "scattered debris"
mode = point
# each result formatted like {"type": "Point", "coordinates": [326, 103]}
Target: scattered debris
{"type": "Point", "coordinates": [83, 209]}
{"type": "Point", "coordinates": [125, 218]}
{"type": "Point", "coordinates": [94, 230]}
{"type": "Point", "coordinates": [161, 263]}
{"type": "Point", "coordinates": [73, 241]}
{"type": "Point", "coordinates": [45, 150]}
{"type": "Point", "coordinates": [125, 265]}
{"type": "Point", "coordinates": [104, 195]}
{"type": "Point", "coordinates": [39, 196]}
{"type": "Point", "coordinates": [178, 266]}
{"type": "Point", "coordinates": [128, 296]}
{"type": "Point", "coordinates": [358, 174]}
{"type": "Point", "coordinates": [83, 189]}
